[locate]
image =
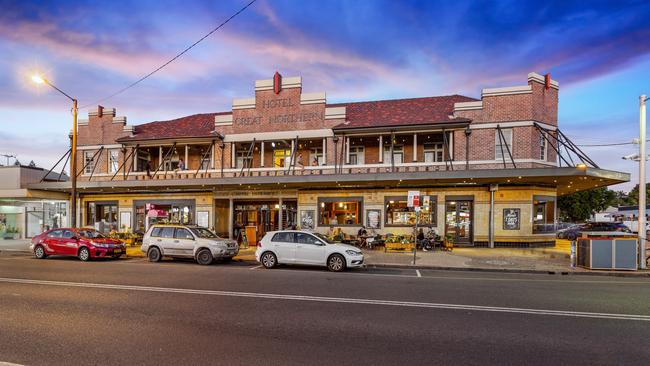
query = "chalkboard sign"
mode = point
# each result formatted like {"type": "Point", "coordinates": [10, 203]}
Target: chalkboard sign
{"type": "Point", "coordinates": [511, 218]}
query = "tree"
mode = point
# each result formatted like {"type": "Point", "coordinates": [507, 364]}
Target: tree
{"type": "Point", "coordinates": [580, 206]}
{"type": "Point", "coordinates": [633, 196]}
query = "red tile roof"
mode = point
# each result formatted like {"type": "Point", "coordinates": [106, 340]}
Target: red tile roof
{"type": "Point", "coordinates": [197, 125]}
{"type": "Point", "coordinates": [381, 113]}
{"type": "Point", "coordinates": [400, 112]}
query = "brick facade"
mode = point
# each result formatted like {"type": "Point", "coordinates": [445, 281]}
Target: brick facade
{"type": "Point", "coordinates": [513, 108]}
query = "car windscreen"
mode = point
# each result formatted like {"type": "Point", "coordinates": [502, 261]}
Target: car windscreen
{"type": "Point", "coordinates": [204, 233]}
{"type": "Point", "coordinates": [324, 238]}
{"type": "Point", "coordinates": [92, 234]}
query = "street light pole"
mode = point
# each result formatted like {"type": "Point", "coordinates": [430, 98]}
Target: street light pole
{"type": "Point", "coordinates": [73, 153]}
{"type": "Point", "coordinates": [73, 166]}
{"type": "Point", "coordinates": [642, 190]}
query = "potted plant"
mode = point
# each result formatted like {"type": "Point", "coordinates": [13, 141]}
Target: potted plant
{"type": "Point", "coordinates": [16, 233]}
{"type": "Point", "coordinates": [449, 242]}
{"type": "Point", "coordinates": [10, 232]}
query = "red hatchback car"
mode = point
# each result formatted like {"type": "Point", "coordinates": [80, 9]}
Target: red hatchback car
{"type": "Point", "coordinates": [82, 243]}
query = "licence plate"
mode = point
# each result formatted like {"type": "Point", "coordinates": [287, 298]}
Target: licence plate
{"type": "Point", "coordinates": [117, 251]}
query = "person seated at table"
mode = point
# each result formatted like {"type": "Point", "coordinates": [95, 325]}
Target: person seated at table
{"type": "Point", "coordinates": [338, 234]}
{"type": "Point", "coordinates": [420, 239]}
{"type": "Point", "coordinates": [362, 232]}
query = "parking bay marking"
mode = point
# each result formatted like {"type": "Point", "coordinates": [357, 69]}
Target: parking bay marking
{"type": "Point", "coordinates": [340, 300]}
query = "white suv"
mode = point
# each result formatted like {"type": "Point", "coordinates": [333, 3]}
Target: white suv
{"type": "Point", "coordinates": [183, 241]}
{"type": "Point", "coordinates": [302, 247]}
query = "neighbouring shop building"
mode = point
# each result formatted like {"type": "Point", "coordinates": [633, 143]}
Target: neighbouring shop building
{"type": "Point", "coordinates": [25, 212]}
{"type": "Point", "coordinates": [489, 168]}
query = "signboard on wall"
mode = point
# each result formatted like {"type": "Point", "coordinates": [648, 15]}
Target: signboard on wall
{"type": "Point", "coordinates": [373, 219]}
{"type": "Point", "coordinates": [307, 219]}
{"type": "Point", "coordinates": [203, 219]}
{"type": "Point", "coordinates": [511, 218]}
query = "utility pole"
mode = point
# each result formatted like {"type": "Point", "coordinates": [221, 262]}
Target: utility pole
{"type": "Point", "coordinates": [642, 159]}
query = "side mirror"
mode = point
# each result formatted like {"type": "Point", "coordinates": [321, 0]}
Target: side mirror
{"type": "Point", "coordinates": [74, 238]}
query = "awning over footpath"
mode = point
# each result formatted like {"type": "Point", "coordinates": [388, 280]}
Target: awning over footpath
{"type": "Point", "coordinates": [565, 179]}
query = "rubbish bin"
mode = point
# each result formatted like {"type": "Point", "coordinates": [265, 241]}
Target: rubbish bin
{"type": "Point", "coordinates": [607, 251]}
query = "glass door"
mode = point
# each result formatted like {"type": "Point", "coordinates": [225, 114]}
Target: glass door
{"type": "Point", "coordinates": [458, 221]}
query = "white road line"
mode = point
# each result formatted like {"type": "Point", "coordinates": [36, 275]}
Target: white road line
{"type": "Point", "coordinates": [417, 272]}
{"type": "Point", "coordinates": [340, 300]}
{"type": "Point", "coordinates": [256, 267]}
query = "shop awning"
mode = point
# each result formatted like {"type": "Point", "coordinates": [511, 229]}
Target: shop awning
{"type": "Point", "coordinates": [565, 179]}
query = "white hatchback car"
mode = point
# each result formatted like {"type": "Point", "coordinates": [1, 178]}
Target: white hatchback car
{"type": "Point", "coordinates": [185, 241]}
{"type": "Point", "coordinates": [302, 247]}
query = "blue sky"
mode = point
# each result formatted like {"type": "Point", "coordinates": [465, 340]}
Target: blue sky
{"type": "Point", "coordinates": [599, 51]}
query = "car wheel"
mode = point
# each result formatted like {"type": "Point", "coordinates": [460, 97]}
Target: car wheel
{"type": "Point", "coordinates": [336, 263]}
{"type": "Point", "coordinates": [39, 252]}
{"type": "Point", "coordinates": [269, 260]}
{"type": "Point", "coordinates": [571, 236]}
{"type": "Point", "coordinates": [154, 255]}
{"type": "Point", "coordinates": [204, 257]}
{"type": "Point", "coordinates": [84, 254]}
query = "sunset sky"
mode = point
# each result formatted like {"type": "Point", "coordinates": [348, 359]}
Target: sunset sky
{"type": "Point", "coordinates": [353, 50]}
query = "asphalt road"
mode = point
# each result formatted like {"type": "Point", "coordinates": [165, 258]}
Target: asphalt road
{"type": "Point", "coordinates": [61, 311]}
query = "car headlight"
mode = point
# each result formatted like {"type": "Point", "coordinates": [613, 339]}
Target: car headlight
{"type": "Point", "coordinates": [99, 245]}
{"type": "Point", "coordinates": [352, 252]}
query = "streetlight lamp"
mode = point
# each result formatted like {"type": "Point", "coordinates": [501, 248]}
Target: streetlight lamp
{"type": "Point", "coordinates": [73, 155]}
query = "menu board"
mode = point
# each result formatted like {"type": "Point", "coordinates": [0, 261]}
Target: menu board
{"type": "Point", "coordinates": [511, 217]}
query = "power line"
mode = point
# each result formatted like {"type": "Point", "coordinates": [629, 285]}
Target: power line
{"type": "Point", "coordinates": [612, 144]}
{"type": "Point", "coordinates": [603, 145]}
{"type": "Point", "coordinates": [173, 59]}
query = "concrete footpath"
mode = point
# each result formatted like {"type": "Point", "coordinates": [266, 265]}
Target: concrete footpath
{"type": "Point", "coordinates": [538, 260]}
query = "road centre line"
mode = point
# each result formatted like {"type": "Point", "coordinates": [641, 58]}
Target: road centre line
{"type": "Point", "coordinates": [340, 300]}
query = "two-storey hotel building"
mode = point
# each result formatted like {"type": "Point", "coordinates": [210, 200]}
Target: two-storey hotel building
{"type": "Point", "coordinates": [488, 170]}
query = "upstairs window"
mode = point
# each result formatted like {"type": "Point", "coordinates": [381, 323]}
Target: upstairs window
{"type": "Point", "coordinates": [357, 155]}
{"type": "Point", "coordinates": [398, 154]}
{"type": "Point", "coordinates": [89, 162]}
{"type": "Point", "coordinates": [243, 160]}
{"type": "Point", "coordinates": [433, 153]}
{"type": "Point", "coordinates": [503, 143]}
{"type": "Point", "coordinates": [113, 160]}
{"type": "Point", "coordinates": [316, 154]}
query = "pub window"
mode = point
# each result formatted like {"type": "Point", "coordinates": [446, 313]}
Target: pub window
{"type": "Point", "coordinates": [398, 154]}
{"type": "Point", "coordinates": [399, 214]}
{"type": "Point", "coordinates": [316, 154]}
{"type": "Point", "coordinates": [502, 144]}
{"type": "Point", "coordinates": [89, 162]}
{"type": "Point", "coordinates": [433, 152]}
{"type": "Point", "coordinates": [113, 160]}
{"type": "Point", "coordinates": [543, 214]}
{"type": "Point", "coordinates": [542, 146]}
{"type": "Point", "coordinates": [357, 155]}
{"type": "Point", "coordinates": [340, 211]}
{"type": "Point", "coordinates": [102, 216]}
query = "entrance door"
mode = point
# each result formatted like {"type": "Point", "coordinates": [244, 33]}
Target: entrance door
{"type": "Point", "coordinates": [458, 221]}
